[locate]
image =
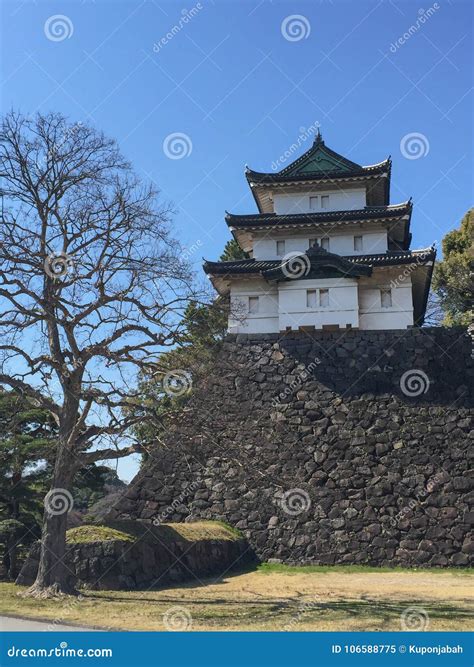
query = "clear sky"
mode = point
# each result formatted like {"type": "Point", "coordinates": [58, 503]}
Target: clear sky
{"type": "Point", "coordinates": [242, 80]}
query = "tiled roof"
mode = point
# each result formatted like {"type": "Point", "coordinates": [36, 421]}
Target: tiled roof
{"type": "Point", "coordinates": [394, 258]}
{"type": "Point", "coordinates": [386, 259]}
{"type": "Point", "coordinates": [367, 213]}
{"type": "Point", "coordinates": [259, 177]}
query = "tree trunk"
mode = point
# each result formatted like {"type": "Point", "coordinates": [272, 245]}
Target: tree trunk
{"type": "Point", "coordinates": [6, 562]}
{"type": "Point", "coordinates": [53, 578]}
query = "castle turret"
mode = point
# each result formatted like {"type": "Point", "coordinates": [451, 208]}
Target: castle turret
{"type": "Point", "coordinates": [327, 250]}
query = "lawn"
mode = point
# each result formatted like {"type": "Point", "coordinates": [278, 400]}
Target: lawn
{"type": "Point", "coordinates": [272, 597]}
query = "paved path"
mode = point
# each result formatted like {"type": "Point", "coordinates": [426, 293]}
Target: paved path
{"type": "Point", "coordinates": [11, 624]}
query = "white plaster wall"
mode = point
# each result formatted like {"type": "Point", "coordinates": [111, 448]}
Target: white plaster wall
{"type": "Point", "coordinates": [351, 301]}
{"type": "Point", "coordinates": [371, 313]}
{"type": "Point", "coordinates": [338, 201]}
{"type": "Point", "coordinates": [265, 247]}
{"type": "Point", "coordinates": [342, 309]}
{"type": "Point", "coordinates": [266, 320]}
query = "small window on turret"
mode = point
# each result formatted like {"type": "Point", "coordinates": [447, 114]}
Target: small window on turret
{"type": "Point", "coordinates": [324, 298]}
{"type": "Point", "coordinates": [386, 298]}
{"type": "Point", "coordinates": [324, 201]}
{"type": "Point", "coordinates": [311, 301]}
{"type": "Point", "coordinates": [280, 248]}
{"type": "Point", "coordinates": [313, 203]}
{"type": "Point", "coordinates": [357, 242]}
{"type": "Point", "coordinates": [325, 242]}
{"type": "Point", "coordinates": [253, 304]}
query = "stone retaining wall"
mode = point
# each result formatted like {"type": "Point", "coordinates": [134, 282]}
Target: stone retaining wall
{"type": "Point", "coordinates": [158, 558]}
{"type": "Point", "coordinates": [329, 447]}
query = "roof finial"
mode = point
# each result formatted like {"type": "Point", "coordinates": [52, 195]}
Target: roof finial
{"type": "Point", "coordinates": [318, 139]}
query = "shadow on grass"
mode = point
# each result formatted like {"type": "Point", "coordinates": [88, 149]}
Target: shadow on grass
{"type": "Point", "coordinates": [307, 608]}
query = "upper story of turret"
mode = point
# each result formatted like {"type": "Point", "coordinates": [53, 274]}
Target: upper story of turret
{"type": "Point", "coordinates": [323, 197]}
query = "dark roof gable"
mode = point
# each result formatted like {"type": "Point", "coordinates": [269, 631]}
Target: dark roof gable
{"type": "Point", "coordinates": [318, 162]}
{"type": "Point", "coordinates": [320, 159]}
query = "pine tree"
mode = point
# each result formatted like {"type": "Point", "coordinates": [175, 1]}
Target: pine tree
{"type": "Point", "coordinates": [453, 279]}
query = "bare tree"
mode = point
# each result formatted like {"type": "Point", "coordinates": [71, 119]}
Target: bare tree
{"type": "Point", "coordinates": [92, 287]}
{"type": "Point", "coordinates": [434, 311]}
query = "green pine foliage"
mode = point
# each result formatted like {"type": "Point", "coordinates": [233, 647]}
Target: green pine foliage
{"type": "Point", "coordinates": [453, 279]}
{"type": "Point", "coordinates": [233, 251]}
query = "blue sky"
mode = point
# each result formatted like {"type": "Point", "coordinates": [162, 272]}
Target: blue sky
{"type": "Point", "coordinates": [241, 79]}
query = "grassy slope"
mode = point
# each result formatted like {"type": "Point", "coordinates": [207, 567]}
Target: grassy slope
{"type": "Point", "coordinates": [130, 530]}
{"type": "Point", "coordinates": [295, 599]}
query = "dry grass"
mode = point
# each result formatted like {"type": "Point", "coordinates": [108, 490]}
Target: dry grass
{"type": "Point", "coordinates": [266, 600]}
